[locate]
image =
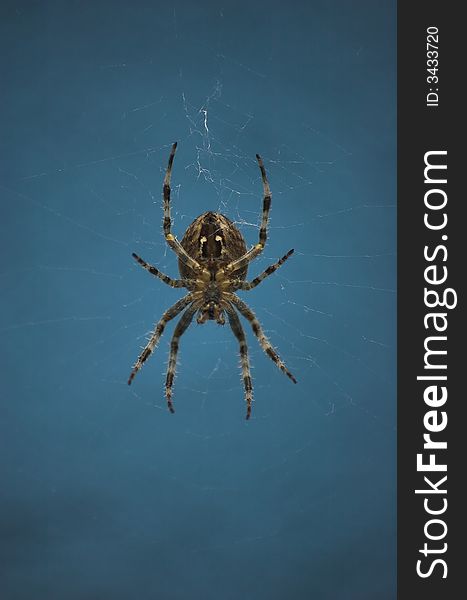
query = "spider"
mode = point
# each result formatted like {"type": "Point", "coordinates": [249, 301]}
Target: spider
{"type": "Point", "coordinates": [213, 261]}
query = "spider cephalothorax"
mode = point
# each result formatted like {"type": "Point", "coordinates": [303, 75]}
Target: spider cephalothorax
{"type": "Point", "coordinates": [213, 263]}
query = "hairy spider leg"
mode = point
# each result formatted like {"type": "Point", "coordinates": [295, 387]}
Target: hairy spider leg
{"type": "Point", "coordinates": [238, 332]}
{"type": "Point", "coordinates": [169, 314]}
{"type": "Point", "coordinates": [175, 283]}
{"type": "Point", "coordinates": [180, 329]}
{"type": "Point", "coordinates": [265, 344]}
{"type": "Point", "coordinates": [256, 250]}
{"type": "Point", "coordinates": [170, 238]}
{"type": "Point", "coordinates": [239, 284]}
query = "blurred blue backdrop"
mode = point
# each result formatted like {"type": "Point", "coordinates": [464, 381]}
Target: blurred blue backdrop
{"type": "Point", "coordinates": [105, 494]}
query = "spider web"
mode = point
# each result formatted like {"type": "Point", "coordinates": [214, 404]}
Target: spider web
{"type": "Point", "coordinates": [329, 310]}
{"type": "Point", "coordinates": [213, 162]}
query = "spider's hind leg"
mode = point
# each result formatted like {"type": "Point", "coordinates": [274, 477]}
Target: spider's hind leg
{"type": "Point", "coordinates": [263, 232]}
{"type": "Point", "coordinates": [252, 253]}
{"type": "Point", "coordinates": [169, 237]}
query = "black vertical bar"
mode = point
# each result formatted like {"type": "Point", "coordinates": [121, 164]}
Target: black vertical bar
{"type": "Point", "coordinates": [425, 126]}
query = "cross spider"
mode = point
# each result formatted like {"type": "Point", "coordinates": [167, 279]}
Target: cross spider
{"type": "Point", "coordinates": [213, 262]}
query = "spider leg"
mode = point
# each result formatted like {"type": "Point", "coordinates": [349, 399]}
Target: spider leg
{"type": "Point", "coordinates": [169, 314]}
{"type": "Point", "coordinates": [263, 232]}
{"type": "Point", "coordinates": [175, 283]}
{"type": "Point", "coordinates": [182, 326]}
{"type": "Point", "coordinates": [265, 344]}
{"type": "Point", "coordinates": [238, 332]}
{"type": "Point", "coordinates": [170, 238]}
{"type": "Point", "coordinates": [249, 285]}
{"type": "Point", "coordinates": [253, 252]}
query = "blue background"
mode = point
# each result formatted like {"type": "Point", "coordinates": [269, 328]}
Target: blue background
{"type": "Point", "coordinates": [104, 493]}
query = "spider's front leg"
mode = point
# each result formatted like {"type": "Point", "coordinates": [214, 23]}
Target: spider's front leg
{"type": "Point", "coordinates": [265, 344]}
{"type": "Point", "coordinates": [238, 332]}
{"type": "Point", "coordinates": [169, 314]}
{"type": "Point", "coordinates": [182, 326]}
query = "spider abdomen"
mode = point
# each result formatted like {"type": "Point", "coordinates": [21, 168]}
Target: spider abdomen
{"type": "Point", "coordinates": [214, 241]}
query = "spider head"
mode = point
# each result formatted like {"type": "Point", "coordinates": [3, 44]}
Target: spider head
{"type": "Point", "coordinates": [211, 311]}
